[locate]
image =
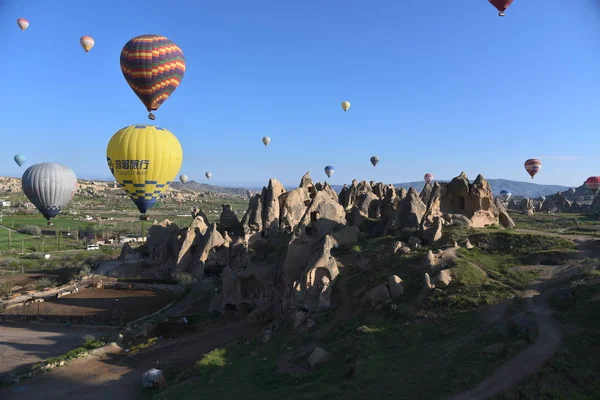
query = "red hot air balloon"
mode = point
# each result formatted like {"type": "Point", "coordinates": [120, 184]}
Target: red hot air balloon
{"type": "Point", "coordinates": [428, 178]}
{"type": "Point", "coordinates": [501, 5]}
{"type": "Point", "coordinates": [593, 183]}
{"type": "Point", "coordinates": [533, 166]}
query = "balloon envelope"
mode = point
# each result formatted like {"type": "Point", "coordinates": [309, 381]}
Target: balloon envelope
{"type": "Point", "coordinates": [266, 140]}
{"type": "Point", "coordinates": [208, 175]}
{"type": "Point", "coordinates": [20, 159]}
{"type": "Point", "coordinates": [374, 160]}
{"type": "Point", "coordinates": [345, 105]}
{"type": "Point", "coordinates": [428, 178]}
{"type": "Point", "coordinates": [183, 178]}
{"type": "Point", "coordinates": [533, 166]}
{"type": "Point", "coordinates": [329, 170]}
{"type": "Point", "coordinates": [505, 195]}
{"type": "Point", "coordinates": [87, 42]}
{"type": "Point", "coordinates": [501, 5]}
{"type": "Point", "coordinates": [593, 183]}
{"type": "Point", "coordinates": [153, 66]}
{"type": "Point", "coordinates": [49, 186]}
{"type": "Point", "coordinates": [144, 159]}
{"type": "Point", "coordinates": [23, 23]}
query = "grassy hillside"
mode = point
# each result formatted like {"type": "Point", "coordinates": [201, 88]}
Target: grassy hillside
{"type": "Point", "coordinates": [412, 349]}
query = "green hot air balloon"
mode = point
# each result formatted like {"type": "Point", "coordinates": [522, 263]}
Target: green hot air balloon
{"type": "Point", "coordinates": [50, 187]}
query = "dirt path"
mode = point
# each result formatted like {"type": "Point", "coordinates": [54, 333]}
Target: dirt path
{"type": "Point", "coordinates": [568, 236]}
{"type": "Point", "coordinates": [533, 357]}
{"type": "Point", "coordinates": [117, 376]}
{"type": "Point", "coordinates": [525, 363]}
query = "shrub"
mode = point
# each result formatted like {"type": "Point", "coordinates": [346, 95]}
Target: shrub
{"type": "Point", "coordinates": [45, 282]}
{"type": "Point", "coordinates": [185, 279]}
{"type": "Point", "coordinates": [30, 230]}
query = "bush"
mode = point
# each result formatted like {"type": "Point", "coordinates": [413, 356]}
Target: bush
{"type": "Point", "coordinates": [30, 230]}
{"type": "Point", "coordinates": [9, 262]}
{"type": "Point", "coordinates": [45, 282]}
{"type": "Point", "coordinates": [185, 279]}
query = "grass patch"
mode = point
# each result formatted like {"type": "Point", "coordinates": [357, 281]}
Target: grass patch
{"type": "Point", "coordinates": [143, 346]}
{"type": "Point", "coordinates": [89, 343]}
{"type": "Point", "coordinates": [572, 372]}
{"type": "Point", "coordinates": [372, 356]}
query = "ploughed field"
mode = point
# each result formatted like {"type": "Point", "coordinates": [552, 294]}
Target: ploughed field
{"type": "Point", "coordinates": [96, 305]}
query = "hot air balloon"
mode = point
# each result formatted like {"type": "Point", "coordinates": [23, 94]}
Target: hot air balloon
{"type": "Point", "coordinates": [505, 195]}
{"type": "Point", "coordinates": [23, 23]}
{"type": "Point", "coordinates": [153, 66]}
{"type": "Point", "coordinates": [20, 159]}
{"type": "Point", "coordinates": [428, 178]}
{"type": "Point", "coordinates": [266, 140]}
{"type": "Point", "coordinates": [183, 178]}
{"type": "Point", "coordinates": [542, 198]}
{"type": "Point", "coordinates": [533, 166]}
{"type": "Point", "coordinates": [345, 105]}
{"type": "Point", "coordinates": [50, 187]}
{"type": "Point", "coordinates": [593, 183]}
{"type": "Point", "coordinates": [87, 42]}
{"type": "Point", "coordinates": [501, 5]}
{"type": "Point", "coordinates": [144, 159]}
{"type": "Point", "coordinates": [208, 175]}
{"type": "Point", "coordinates": [329, 170]}
{"type": "Point", "coordinates": [374, 160]}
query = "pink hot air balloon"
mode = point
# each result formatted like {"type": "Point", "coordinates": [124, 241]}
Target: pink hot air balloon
{"type": "Point", "coordinates": [428, 178]}
{"type": "Point", "coordinates": [23, 23]}
{"type": "Point", "coordinates": [533, 166]}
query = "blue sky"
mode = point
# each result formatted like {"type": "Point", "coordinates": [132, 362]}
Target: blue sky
{"type": "Point", "coordinates": [433, 89]}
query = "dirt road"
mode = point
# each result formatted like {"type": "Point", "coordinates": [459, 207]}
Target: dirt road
{"type": "Point", "coordinates": [24, 344]}
{"type": "Point", "coordinates": [116, 376]}
{"type": "Point", "coordinates": [526, 362]}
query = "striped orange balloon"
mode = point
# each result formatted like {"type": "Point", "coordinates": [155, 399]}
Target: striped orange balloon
{"type": "Point", "coordinates": [533, 166]}
{"type": "Point", "coordinates": [153, 66]}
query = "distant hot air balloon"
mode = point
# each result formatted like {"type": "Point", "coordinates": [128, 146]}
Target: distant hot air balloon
{"type": "Point", "coordinates": [501, 5]}
{"type": "Point", "coordinates": [208, 175]}
{"type": "Point", "coordinates": [505, 195]}
{"type": "Point", "coordinates": [144, 159]}
{"type": "Point", "coordinates": [50, 187]}
{"type": "Point", "coordinates": [533, 166]}
{"type": "Point", "coordinates": [20, 159]}
{"type": "Point", "coordinates": [266, 140]}
{"type": "Point", "coordinates": [345, 105]}
{"type": "Point", "coordinates": [374, 160]}
{"type": "Point", "coordinates": [542, 198]}
{"type": "Point", "coordinates": [428, 178]}
{"type": "Point", "coordinates": [183, 178]}
{"type": "Point", "coordinates": [87, 42]}
{"type": "Point", "coordinates": [593, 183]}
{"type": "Point", "coordinates": [153, 66]}
{"type": "Point", "coordinates": [23, 23]}
{"type": "Point", "coordinates": [329, 170]}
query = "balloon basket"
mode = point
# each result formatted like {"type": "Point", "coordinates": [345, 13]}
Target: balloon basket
{"type": "Point", "coordinates": [50, 223]}
{"type": "Point", "coordinates": [144, 218]}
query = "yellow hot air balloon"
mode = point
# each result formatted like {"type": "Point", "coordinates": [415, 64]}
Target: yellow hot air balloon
{"type": "Point", "coordinates": [145, 160]}
{"type": "Point", "coordinates": [87, 42]}
{"type": "Point", "coordinates": [345, 105]}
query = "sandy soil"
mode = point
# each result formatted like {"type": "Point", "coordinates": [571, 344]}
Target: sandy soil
{"type": "Point", "coordinates": [117, 376]}
{"type": "Point", "coordinates": [24, 344]}
{"type": "Point", "coordinates": [101, 305]}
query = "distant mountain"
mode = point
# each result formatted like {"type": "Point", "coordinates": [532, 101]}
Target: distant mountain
{"type": "Point", "coordinates": [203, 187]}
{"type": "Point", "coordinates": [517, 188]}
